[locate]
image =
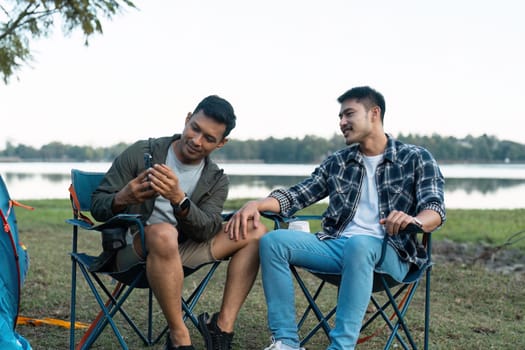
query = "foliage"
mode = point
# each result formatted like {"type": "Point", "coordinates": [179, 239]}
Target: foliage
{"type": "Point", "coordinates": [57, 151]}
{"type": "Point", "coordinates": [483, 149]}
{"type": "Point", "coordinates": [23, 20]}
{"type": "Point", "coordinates": [309, 149]}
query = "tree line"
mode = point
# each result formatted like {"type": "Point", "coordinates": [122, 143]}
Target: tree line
{"type": "Point", "coordinates": [309, 149]}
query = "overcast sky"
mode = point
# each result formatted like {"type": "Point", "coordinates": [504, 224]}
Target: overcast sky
{"type": "Point", "coordinates": [449, 67]}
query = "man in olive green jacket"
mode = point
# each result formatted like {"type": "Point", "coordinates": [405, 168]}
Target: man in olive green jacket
{"type": "Point", "coordinates": [209, 195]}
{"type": "Point", "coordinates": [180, 198]}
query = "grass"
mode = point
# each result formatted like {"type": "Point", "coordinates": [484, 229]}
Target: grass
{"type": "Point", "coordinates": [471, 307]}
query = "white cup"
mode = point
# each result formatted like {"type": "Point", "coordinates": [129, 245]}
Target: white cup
{"type": "Point", "coordinates": [299, 226]}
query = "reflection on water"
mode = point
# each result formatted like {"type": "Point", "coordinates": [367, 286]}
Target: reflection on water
{"type": "Point", "coordinates": [265, 181]}
{"type": "Point", "coordinates": [459, 193]}
{"type": "Point", "coordinates": [467, 193]}
{"type": "Point", "coordinates": [485, 186]}
{"type": "Point", "coordinates": [30, 177]}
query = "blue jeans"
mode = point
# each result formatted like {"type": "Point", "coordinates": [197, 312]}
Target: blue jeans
{"type": "Point", "coordinates": [355, 258]}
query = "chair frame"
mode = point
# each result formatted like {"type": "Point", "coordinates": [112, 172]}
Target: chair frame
{"type": "Point", "coordinates": [399, 301]}
{"type": "Point", "coordinates": [80, 201]}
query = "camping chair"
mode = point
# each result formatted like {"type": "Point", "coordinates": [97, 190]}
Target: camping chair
{"type": "Point", "coordinates": [83, 184]}
{"type": "Point", "coordinates": [390, 299]}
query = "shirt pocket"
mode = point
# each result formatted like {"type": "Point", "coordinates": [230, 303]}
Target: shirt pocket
{"type": "Point", "coordinates": [340, 188]}
{"type": "Point", "coordinates": [401, 194]}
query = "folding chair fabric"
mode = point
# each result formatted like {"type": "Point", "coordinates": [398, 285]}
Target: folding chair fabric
{"type": "Point", "coordinates": [111, 300]}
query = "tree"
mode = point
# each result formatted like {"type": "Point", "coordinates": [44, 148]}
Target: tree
{"type": "Point", "coordinates": [22, 20]}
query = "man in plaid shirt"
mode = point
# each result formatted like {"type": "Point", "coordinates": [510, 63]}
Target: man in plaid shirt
{"type": "Point", "coordinates": [376, 186]}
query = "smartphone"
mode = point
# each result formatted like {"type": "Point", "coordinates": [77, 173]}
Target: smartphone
{"type": "Point", "coordinates": [147, 160]}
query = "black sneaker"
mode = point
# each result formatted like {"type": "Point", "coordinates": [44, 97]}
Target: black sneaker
{"type": "Point", "coordinates": [170, 346]}
{"type": "Point", "coordinates": [214, 337]}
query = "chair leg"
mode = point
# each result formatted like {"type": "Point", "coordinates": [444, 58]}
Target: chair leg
{"type": "Point", "coordinates": [427, 307]}
{"type": "Point", "coordinates": [309, 308]}
{"type": "Point", "coordinates": [401, 319]}
{"type": "Point", "coordinates": [150, 316]}
{"type": "Point", "coordinates": [113, 305]}
{"type": "Point", "coordinates": [189, 303]}
{"type": "Point", "coordinates": [73, 303]}
{"type": "Point", "coordinates": [323, 319]}
{"type": "Point", "coordinates": [105, 313]}
{"type": "Point", "coordinates": [88, 337]}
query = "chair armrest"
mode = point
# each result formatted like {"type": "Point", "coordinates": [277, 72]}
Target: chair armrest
{"type": "Point", "coordinates": [275, 217]}
{"type": "Point", "coordinates": [410, 229]}
{"type": "Point", "coordinates": [115, 221]}
{"type": "Point", "coordinates": [278, 219]}
{"type": "Point", "coordinates": [227, 216]}
{"type": "Point", "coordinates": [80, 223]}
{"type": "Point", "coordinates": [120, 220]}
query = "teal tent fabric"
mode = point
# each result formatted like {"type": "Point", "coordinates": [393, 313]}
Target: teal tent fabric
{"type": "Point", "coordinates": [14, 263]}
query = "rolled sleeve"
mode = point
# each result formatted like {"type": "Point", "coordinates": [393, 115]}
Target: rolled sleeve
{"type": "Point", "coordinates": [285, 200]}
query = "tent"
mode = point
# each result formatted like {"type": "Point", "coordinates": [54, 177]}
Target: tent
{"type": "Point", "coordinates": [14, 263]}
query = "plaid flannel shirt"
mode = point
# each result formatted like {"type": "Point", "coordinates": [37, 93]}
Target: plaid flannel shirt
{"type": "Point", "coordinates": [408, 179]}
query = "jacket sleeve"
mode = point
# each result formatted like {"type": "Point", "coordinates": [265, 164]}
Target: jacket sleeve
{"type": "Point", "coordinates": [123, 169]}
{"type": "Point", "coordinates": [204, 219]}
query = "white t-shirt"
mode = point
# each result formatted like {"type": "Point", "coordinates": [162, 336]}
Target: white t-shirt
{"type": "Point", "coordinates": [188, 176]}
{"type": "Point", "coordinates": [366, 219]}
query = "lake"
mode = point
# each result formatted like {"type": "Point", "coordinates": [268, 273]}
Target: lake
{"type": "Point", "coordinates": [486, 186]}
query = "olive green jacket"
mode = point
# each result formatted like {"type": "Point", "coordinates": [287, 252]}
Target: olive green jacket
{"type": "Point", "coordinates": [204, 218]}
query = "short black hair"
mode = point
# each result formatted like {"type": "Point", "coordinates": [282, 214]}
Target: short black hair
{"type": "Point", "coordinates": [367, 96]}
{"type": "Point", "coordinates": [219, 110]}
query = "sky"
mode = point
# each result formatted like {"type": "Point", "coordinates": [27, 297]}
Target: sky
{"type": "Point", "coordinates": [449, 67]}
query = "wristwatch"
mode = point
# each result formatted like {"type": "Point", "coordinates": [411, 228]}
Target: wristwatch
{"type": "Point", "coordinates": [418, 222]}
{"type": "Point", "coordinates": [183, 205]}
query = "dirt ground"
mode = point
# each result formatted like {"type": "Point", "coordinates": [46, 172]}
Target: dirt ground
{"type": "Point", "coordinates": [499, 259]}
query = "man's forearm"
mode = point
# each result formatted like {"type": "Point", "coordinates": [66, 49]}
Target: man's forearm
{"type": "Point", "coordinates": [268, 204]}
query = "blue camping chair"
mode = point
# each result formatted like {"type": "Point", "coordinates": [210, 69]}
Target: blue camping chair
{"type": "Point", "coordinates": [390, 299]}
{"type": "Point", "coordinates": [83, 184]}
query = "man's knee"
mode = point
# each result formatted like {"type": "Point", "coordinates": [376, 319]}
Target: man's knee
{"type": "Point", "coordinates": [270, 240]}
{"type": "Point", "coordinates": [359, 248]}
{"type": "Point", "coordinates": [257, 233]}
{"type": "Point", "coordinates": [162, 239]}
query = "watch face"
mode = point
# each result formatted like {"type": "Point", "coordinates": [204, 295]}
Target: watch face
{"type": "Point", "coordinates": [185, 204]}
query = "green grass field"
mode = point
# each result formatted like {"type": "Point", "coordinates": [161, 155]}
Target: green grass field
{"type": "Point", "coordinates": [471, 307]}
